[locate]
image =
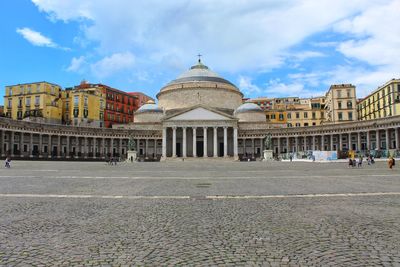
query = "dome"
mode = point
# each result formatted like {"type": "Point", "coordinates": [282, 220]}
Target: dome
{"type": "Point", "coordinates": [248, 107]}
{"type": "Point", "coordinates": [150, 106]}
{"type": "Point", "coordinates": [200, 73]}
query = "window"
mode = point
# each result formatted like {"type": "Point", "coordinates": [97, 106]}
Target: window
{"type": "Point", "coordinates": [85, 101]}
{"type": "Point", "coordinates": [28, 90]}
{"type": "Point", "coordinates": [339, 105]}
{"type": "Point", "coordinates": [38, 88]}
{"type": "Point", "coordinates": [20, 102]}
{"type": "Point", "coordinates": [297, 115]}
{"type": "Point", "coordinates": [67, 105]}
{"type": "Point", "coordinates": [349, 104]}
{"type": "Point", "coordinates": [101, 104]}
{"type": "Point", "coordinates": [267, 116]}
{"type": "Point", "coordinates": [281, 117]}
{"type": "Point", "coordinates": [350, 116]}
{"type": "Point", "coordinates": [305, 124]}
{"type": "Point", "coordinates": [340, 116]}
{"type": "Point", "coordinates": [322, 114]}
{"type": "Point", "coordinates": [348, 93]}
{"type": "Point", "coordinates": [9, 103]}
{"type": "Point", "coordinates": [314, 116]}
{"type": "Point", "coordinates": [273, 117]}
{"type": "Point", "coordinates": [305, 115]}
{"type": "Point", "coordinates": [339, 93]}
{"type": "Point", "coordinates": [28, 101]}
{"type": "Point", "coordinates": [37, 100]}
{"type": "Point", "coordinates": [10, 91]}
{"type": "Point", "coordinates": [19, 115]}
{"type": "Point", "coordinates": [76, 100]}
{"type": "Point", "coordinates": [297, 124]}
{"type": "Point", "coordinates": [289, 125]}
{"type": "Point", "coordinates": [289, 115]}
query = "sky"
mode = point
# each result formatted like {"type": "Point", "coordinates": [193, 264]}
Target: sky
{"type": "Point", "coordinates": [268, 48]}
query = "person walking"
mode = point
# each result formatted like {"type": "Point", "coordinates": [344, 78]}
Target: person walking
{"type": "Point", "coordinates": [7, 163]}
{"type": "Point", "coordinates": [390, 163]}
{"type": "Point", "coordinates": [360, 160]}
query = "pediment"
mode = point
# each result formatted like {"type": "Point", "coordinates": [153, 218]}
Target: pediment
{"type": "Point", "coordinates": [199, 113]}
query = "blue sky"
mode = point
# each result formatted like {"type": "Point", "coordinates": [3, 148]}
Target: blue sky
{"type": "Point", "coordinates": [267, 48]}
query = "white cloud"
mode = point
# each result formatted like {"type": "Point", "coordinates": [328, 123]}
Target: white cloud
{"type": "Point", "coordinates": [112, 64]}
{"type": "Point", "coordinates": [38, 39]}
{"type": "Point", "coordinates": [35, 38]}
{"type": "Point", "coordinates": [277, 88]}
{"type": "Point", "coordinates": [247, 87]}
{"type": "Point", "coordinates": [77, 64]}
{"type": "Point", "coordinates": [303, 55]}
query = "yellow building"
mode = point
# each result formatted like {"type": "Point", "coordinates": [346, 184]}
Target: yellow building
{"type": "Point", "coordinates": [40, 101]}
{"type": "Point", "coordinates": [381, 103]}
{"type": "Point", "coordinates": [84, 106]}
{"type": "Point", "coordinates": [293, 111]}
{"type": "Point", "coordinates": [341, 103]}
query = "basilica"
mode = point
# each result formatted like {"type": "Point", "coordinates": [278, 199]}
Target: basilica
{"type": "Point", "coordinates": [198, 115]}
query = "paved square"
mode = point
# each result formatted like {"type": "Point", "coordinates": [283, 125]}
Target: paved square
{"type": "Point", "coordinates": [199, 213]}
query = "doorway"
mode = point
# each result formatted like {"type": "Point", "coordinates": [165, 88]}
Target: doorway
{"type": "Point", "coordinates": [200, 148]}
{"type": "Point", "coordinates": [221, 150]}
{"type": "Point", "coordinates": [178, 150]}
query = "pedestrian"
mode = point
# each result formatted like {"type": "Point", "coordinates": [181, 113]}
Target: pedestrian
{"type": "Point", "coordinates": [8, 162]}
{"type": "Point", "coordinates": [115, 160]}
{"type": "Point", "coordinates": [360, 160]}
{"type": "Point", "coordinates": [290, 157]}
{"type": "Point", "coordinates": [390, 163]}
{"type": "Point", "coordinates": [350, 162]}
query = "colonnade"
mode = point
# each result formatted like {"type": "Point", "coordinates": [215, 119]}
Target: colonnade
{"type": "Point", "coordinates": [194, 141]}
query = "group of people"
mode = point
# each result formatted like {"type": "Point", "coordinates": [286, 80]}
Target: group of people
{"type": "Point", "coordinates": [112, 161]}
{"type": "Point", "coordinates": [353, 162]}
{"type": "Point", "coordinates": [370, 160]}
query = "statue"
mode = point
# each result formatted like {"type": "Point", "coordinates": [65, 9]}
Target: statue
{"type": "Point", "coordinates": [132, 144]}
{"type": "Point", "coordinates": [268, 142]}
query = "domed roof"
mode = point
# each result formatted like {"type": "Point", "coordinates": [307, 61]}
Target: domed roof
{"type": "Point", "coordinates": [200, 73]}
{"type": "Point", "coordinates": [150, 106]}
{"type": "Point", "coordinates": [248, 107]}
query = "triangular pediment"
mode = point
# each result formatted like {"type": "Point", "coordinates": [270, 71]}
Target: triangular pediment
{"type": "Point", "coordinates": [199, 113]}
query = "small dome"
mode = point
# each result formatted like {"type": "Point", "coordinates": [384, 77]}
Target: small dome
{"type": "Point", "coordinates": [150, 106]}
{"type": "Point", "coordinates": [248, 107]}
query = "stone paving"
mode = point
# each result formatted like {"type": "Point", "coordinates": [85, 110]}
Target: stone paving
{"type": "Point", "coordinates": [166, 214]}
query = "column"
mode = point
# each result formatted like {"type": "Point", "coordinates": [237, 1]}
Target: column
{"type": "Point", "coordinates": [279, 145]}
{"type": "Point", "coordinates": [103, 141]}
{"type": "Point", "coordinates": [261, 145]}
{"type": "Point", "coordinates": [49, 148]}
{"type": "Point", "coordinates": [340, 142]}
{"type": "Point", "coordinates": [146, 147]}
{"type": "Point", "coordinates": [331, 142]}
{"type": "Point", "coordinates": [2, 143]}
{"type": "Point", "coordinates": [184, 152]}
{"type": "Point", "coordinates": [387, 139]}
{"type": "Point", "coordinates": [368, 141]}
{"type": "Point", "coordinates": [396, 134]}
{"type": "Point", "coordinates": [164, 142]}
{"type": "Point", "coordinates": [194, 142]}
{"type": "Point", "coordinates": [12, 143]}
{"type": "Point", "coordinates": [40, 145]}
{"type": "Point", "coordinates": [252, 147]}
{"type": "Point", "coordinates": [313, 143]}
{"type": "Point", "coordinates": [225, 142]}
{"type": "Point", "coordinates": [67, 146]}
{"type": "Point", "coordinates": [58, 146]}
{"type": "Point", "coordinates": [378, 140]}
{"type": "Point", "coordinates": [244, 146]}
{"type": "Point", "coordinates": [155, 148]}
{"type": "Point", "coordinates": [322, 142]}
{"type": "Point", "coordinates": [174, 142]}
{"type": "Point", "coordinates": [94, 147]}
{"type": "Point", "coordinates": [138, 145]}
{"type": "Point", "coordinates": [21, 144]}
{"type": "Point", "coordinates": [235, 143]}
{"type": "Point", "coordinates": [287, 144]}
{"type": "Point", "coordinates": [359, 141]}
{"type": "Point", "coordinates": [78, 147]}
{"type": "Point", "coordinates": [205, 142]}
{"type": "Point", "coordinates": [112, 147]}
{"type": "Point", "coordinates": [215, 142]}
{"type": "Point", "coordinates": [31, 145]}
{"type": "Point", "coordinates": [305, 143]}
{"type": "Point", "coordinates": [296, 144]}
{"type": "Point", "coordinates": [349, 141]}
{"type": "Point", "coordinates": [120, 147]}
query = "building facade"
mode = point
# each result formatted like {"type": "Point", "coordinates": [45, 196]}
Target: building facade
{"type": "Point", "coordinates": [341, 104]}
{"type": "Point", "coordinates": [141, 99]}
{"type": "Point", "coordinates": [40, 101]}
{"type": "Point", "coordinates": [383, 102]}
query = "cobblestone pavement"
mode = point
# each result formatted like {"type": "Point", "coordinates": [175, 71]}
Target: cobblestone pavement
{"type": "Point", "coordinates": [199, 214]}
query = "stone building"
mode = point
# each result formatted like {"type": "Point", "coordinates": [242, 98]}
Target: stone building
{"type": "Point", "coordinates": [198, 115]}
{"type": "Point", "coordinates": [341, 103]}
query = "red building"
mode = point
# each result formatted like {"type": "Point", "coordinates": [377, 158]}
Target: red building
{"type": "Point", "coordinates": [141, 98]}
{"type": "Point", "coordinates": [120, 106]}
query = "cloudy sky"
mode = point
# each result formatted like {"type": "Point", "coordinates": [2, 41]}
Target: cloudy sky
{"type": "Point", "coordinates": [268, 48]}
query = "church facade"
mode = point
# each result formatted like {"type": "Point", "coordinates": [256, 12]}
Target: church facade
{"type": "Point", "coordinates": [198, 115]}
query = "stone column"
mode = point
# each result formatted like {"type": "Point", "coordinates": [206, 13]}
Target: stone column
{"type": "Point", "coordinates": [349, 141]}
{"type": "Point", "coordinates": [67, 146]}
{"type": "Point", "coordinates": [174, 142]}
{"type": "Point", "coordinates": [368, 141]}
{"type": "Point", "coordinates": [378, 141]}
{"type": "Point", "coordinates": [49, 147]}
{"type": "Point", "coordinates": [184, 154]}
{"type": "Point", "coordinates": [279, 145]}
{"type": "Point", "coordinates": [244, 146]}
{"type": "Point", "coordinates": [313, 143]}
{"type": "Point", "coordinates": [2, 142]}
{"type": "Point", "coordinates": [225, 142]}
{"type": "Point", "coordinates": [78, 147]}
{"type": "Point", "coordinates": [58, 146]}
{"type": "Point", "coordinates": [340, 142]}
{"type": "Point", "coordinates": [252, 147]}
{"type": "Point", "coordinates": [155, 148]}
{"type": "Point", "coordinates": [296, 144]}
{"type": "Point", "coordinates": [146, 147]}
{"type": "Point", "coordinates": [112, 147]}
{"type": "Point", "coordinates": [358, 141]}
{"type": "Point", "coordinates": [40, 145]}
{"type": "Point", "coordinates": [305, 143]}
{"type": "Point", "coordinates": [235, 144]}
{"type": "Point", "coordinates": [21, 143]}
{"type": "Point", "coordinates": [331, 142]}
{"type": "Point", "coordinates": [205, 142]}
{"type": "Point", "coordinates": [396, 134]}
{"type": "Point", "coordinates": [387, 139]}
{"type": "Point", "coordinates": [94, 147]}
{"type": "Point", "coordinates": [120, 147]}
{"type": "Point", "coordinates": [31, 145]}
{"type": "Point", "coordinates": [85, 147]}
{"type": "Point", "coordinates": [194, 142]}
{"type": "Point", "coordinates": [215, 142]}
{"type": "Point", "coordinates": [261, 146]}
{"type": "Point", "coordinates": [164, 142]}
{"type": "Point", "coordinates": [103, 141]}
{"type": "Point", "coordinates": [287, 144]}
{"type": "Point", "coordinates": [322, 142]}
{"type": "Point", "coordinates": [12, 143]}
